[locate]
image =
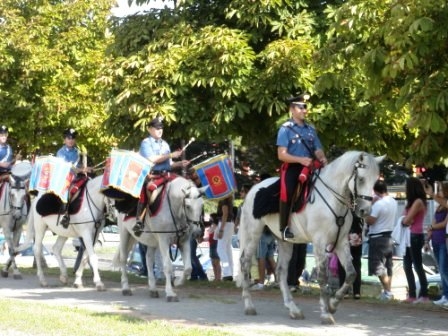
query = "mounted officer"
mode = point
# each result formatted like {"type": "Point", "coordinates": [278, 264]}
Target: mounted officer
{"type": "Point", "coordinates": [297, 146]}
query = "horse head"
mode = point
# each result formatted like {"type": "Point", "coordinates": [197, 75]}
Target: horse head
{"type": "Point", "coordinates": [193, 204]}
{"type": "Point", "coordinates": [365, 173]}
{"type": "Point", "coordinates": [17, 196]}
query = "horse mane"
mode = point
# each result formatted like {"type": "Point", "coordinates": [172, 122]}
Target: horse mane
{"type": "Point", "coordinates": [346, 162]}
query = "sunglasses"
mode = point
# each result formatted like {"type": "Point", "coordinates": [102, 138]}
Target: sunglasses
{"type": "Point", "coordinates": [301, 105]}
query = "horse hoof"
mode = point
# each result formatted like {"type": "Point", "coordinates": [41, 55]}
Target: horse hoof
{"type": "Point", "coordinates": [44, 285]}
{"type": "Point", "coordinates": [5, 274]}
{"type": "Point", "coordinates": [154, 294]}
{"type": "Point", "coordinates": [250, 311]}
{"type": "Point", "coordinates": [101, 288]}
{"type": "Point", "coordinates": [17, 277]}
{"type": "Point", "coordinates": [126, 292]}
{"type": "Point", "coordinates": [297, 316]}
{"type": "Point", "coordinates": [327, 319]}
{"type": "Point", "coordinates": [172, 299]}
{"type": "Point", "coordinates": [78, 286]}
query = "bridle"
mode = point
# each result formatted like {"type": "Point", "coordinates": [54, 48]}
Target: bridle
{"type": "Point", "coordinates": [179, 228]}
{"type": "Point", "coordinates": [350, 204]}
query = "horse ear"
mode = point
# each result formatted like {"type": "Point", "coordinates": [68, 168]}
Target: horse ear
{"type": "Point", "coordinates": [379, 159]}
{"type": "Point", "coordinates": [186, 190]}
{"type": "Point", "coordinates": [202, 190]}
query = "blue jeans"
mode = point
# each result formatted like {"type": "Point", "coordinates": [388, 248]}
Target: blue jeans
{"type": "Point", "coordinates": [413, 256]}
{"type": "Point", "coordinates": [440, 253]}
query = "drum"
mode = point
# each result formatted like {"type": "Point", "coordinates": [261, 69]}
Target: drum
{"type": "Point", "coordinates": [217, 173]}
{"type": "Point", "coordinates": [124, 174]}
{"type": "Point", "coordinates": [21, 170]}
{"type": "Point", "coordinates": [51, 174]}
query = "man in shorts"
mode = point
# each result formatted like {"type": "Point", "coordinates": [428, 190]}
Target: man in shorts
{"type": "Point", "coordinates": [265, 254]}
{"type": "Point", "coordinates": [381, 222]}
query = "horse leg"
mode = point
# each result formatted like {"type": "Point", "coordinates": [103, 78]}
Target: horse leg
{"type": "Point", "coordinates": [246, 253]}
{"type": "Point", "coordinates": [186, 257]}
{"type": "Point", "coordinates": [167, 269]}
{"type": "Point", "coordinates": [93, 259]}
{"type": "Point", "coordinates": [284, 256]}
{"type": "Point", "coordinates": [123, 252]}
{"type": "Point", "coordinates": [12, 250]}
{"type": "Point", "coordinates": [326, 317]}
{"type": "Point", "coordinates": [343, 253]}
{"type": "Point", "coordinates": [150, 261]}
{"type": "Point", "coordinates": [57, 251]}
{"type": "Point", "coordinates": [38, 255]}
{"type": "Point", "coordinates": [78, 283]}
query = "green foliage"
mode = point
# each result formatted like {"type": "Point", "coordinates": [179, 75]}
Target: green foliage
{"type": "Point", "coordinates": [50, 55]}
{"type": "Point", "coordinates": [377, 72]}
{"type": "Point", "coordinates": [392, 57]}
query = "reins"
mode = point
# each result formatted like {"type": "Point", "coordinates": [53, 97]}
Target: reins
{"type": "Point", "coordinates": [179, 229]}
{"type": "Point", "coordinates": [340, 220]}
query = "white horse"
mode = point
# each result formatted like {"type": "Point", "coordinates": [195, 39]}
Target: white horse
{"type": "Point", "coordinates": [13, 212]}
{"type": "Point", "coordinates": [86, 223]}
{"type": "Point", "coordinates": [344, 185]}
{"type": "Point", "coordinates": [179, 216]}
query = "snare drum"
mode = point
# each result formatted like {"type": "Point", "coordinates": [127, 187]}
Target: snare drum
{"type": "Point", "coordinates": [124, 174]}
{"type": "Point", "coordinates": [51, 174]}
{"type": "Point", "coordinates": [217, 173]}
{"type": "Point", "coordinates": [21, 170]}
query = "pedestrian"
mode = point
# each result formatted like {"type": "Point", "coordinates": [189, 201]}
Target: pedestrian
{"type": "Point", "coordinates": [213, 246]}
{"type": "Point", "coordinates": [265, 255]}
{"type": "Point", "coordinates": [6, 154]}
{"type": "Point", "coordinates": [243, 192]}
{"type": "Point", "coordinates": [142, 248]}
{"type": "Point", "coordinates": [381, 222]}
{"type": "Point", "coordinates": [296, 266]}
{"type": "Point", "coordinates": [156, 150]}
{"type": "Point", "coordinates": [297, 146]}
{"type": "Point", "coordinates": [414, 215]}
{"type": "Point", "coordinates": [224, 236]}
{"type": "Point", "coordinates": [436, 236]}
{"type": "Point", "coordinates": [197, 271]}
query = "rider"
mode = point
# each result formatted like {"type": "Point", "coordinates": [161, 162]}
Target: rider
{"type": "Point", "coordinates": [6, 154]}
{"type": "Point", "coordinates": [156, 150]}
{"type": "Point", "coordinates": [70, 153]}
{"type": "Point", "coordinates": [297, 146]}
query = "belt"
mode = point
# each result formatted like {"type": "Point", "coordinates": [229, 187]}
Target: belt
{"type": "Point", "coordinates": [386, 234]}
{"type": "Point", "coordinates": [159, 172]}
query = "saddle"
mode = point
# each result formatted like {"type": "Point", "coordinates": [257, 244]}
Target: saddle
{"type": "Point", "coordinates": [50, 204]}
{"type": "Point", "coordinates": [154, 191]}
{"type": "Point", "coordinates": [267, 199]}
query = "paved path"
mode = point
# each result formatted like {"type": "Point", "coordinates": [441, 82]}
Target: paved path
{"type": "Point", "coordinates": [222, 307]}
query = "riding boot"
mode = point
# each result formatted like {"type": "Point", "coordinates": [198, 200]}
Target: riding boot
{"type": "Point", "coordinates": [285, 210]}
{"type": "Point", "coordinates": [65, 219]}
{"type": "Point", "coordinates": [138, 227]}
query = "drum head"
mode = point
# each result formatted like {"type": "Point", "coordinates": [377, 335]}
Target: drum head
{"type": "Point", "coordinates": [21, 169]}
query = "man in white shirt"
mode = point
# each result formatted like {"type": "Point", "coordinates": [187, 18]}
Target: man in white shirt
{"type": "Point", "coordinates": [381, 223]}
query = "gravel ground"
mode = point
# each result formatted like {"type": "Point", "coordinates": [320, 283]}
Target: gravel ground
{"type": "Point", "coordinates": [222, 308]}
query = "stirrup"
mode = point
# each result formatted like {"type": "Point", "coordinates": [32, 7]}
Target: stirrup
{"type": "Point", "coordinates": [287, 234]}
{"type": "Point", "coordinates": [65, 220]}
{"type": "Point", "coordinates": [138, 228]}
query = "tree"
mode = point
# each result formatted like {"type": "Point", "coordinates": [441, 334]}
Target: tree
{"type": "Point", "coordinates": [390, 59]}
{"type": "Point", "coordinates": [50, 55]}
{"type": "Point", "coordinates": [213, 69]}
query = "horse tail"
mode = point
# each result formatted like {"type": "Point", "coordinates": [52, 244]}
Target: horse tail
{"type": "Point", "coordinates": [118, 258]}
{"type": "Point", "coordinates": [30, 233]}
{"type": "Point", "coordinates": [243, 239]}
